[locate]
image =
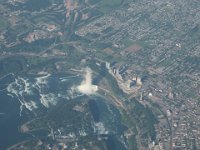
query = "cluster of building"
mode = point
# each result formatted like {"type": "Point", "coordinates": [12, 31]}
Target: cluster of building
{"type": "Point", "coordinates": [164, 25]}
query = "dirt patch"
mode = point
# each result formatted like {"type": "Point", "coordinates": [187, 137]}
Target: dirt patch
{"type": "Point", "coordinates": [108, 51]}
{"type": "Point", "coordinates": [133, 48]}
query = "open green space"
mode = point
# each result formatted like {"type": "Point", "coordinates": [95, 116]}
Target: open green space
{"type": "Point", "coordinates": [142, 42]}
{"type": "Point", "coordinates": [107, 5]}
{"type": "Point", "coordinates": [3, 23]}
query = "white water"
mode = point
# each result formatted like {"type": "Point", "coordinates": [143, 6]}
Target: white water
{"type": "Point", "coordinates": [86, 86]}
{"type": "Point", "coordinates": [22, 87]}
{"type": "Point", "coordinates": [48, 99]}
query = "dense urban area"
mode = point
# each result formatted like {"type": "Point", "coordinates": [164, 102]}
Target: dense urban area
{"type": "Point", "coordinates": [145, 58]}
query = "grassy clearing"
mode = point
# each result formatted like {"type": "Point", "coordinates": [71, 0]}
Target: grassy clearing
{"type": "Point", "coordinates": [111, 2]}
{"type": "Point", "coordinates": [128, 42]}
{"type": "Point", "coordinates": [3, 23]}
{"type": "Point", "coordinates": [107, 5]}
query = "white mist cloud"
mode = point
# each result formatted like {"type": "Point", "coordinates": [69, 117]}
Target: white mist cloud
{"type": "Point", "coordinates": [86, 86]}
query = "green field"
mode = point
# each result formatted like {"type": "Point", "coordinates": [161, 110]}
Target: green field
{"type": "Point", "coordinates": [128, 42]}
{"type": "Point", "coordinates": [3, 23]}
{"type": "Point", "coordinates": [107, 5]}
{"type": "Point", "coordinates": [111, 2]}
